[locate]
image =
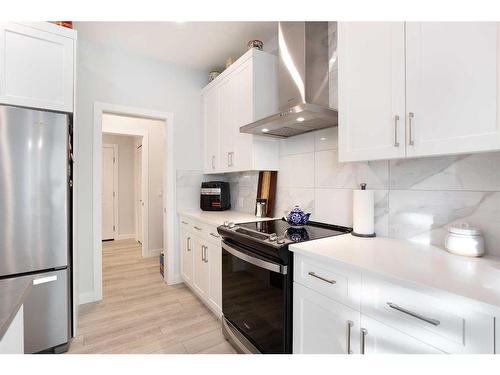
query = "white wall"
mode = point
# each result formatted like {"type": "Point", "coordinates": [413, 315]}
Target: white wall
{"type": "Point", "coordinates": [120, 78]}
{"type": "Point", "coordinates": [155, 130]}
{"type": "Point", "coordinates": [125, 222]}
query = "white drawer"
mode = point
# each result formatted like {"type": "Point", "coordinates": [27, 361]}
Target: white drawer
{"type": "Point", "coordinates": [204, 231]}
{"type": "Point", "coordinates": [449, 323]}
{"type": "Point", "coordinates": [338, 282]}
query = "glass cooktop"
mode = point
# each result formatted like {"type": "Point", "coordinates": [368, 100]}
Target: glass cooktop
{"type": "Point", "coordinates": [312, 231]}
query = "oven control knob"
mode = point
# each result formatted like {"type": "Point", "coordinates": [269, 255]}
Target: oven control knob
{"type": "Point", "coordinates": [230, 224]}
{"type": "Point", "coordinates": [273, 237]}
{"type": "Point", "coordinates": [280, 241]}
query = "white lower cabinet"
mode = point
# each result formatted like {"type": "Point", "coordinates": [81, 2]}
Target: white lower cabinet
{"type": "Point", "coordinates": [393, 317]}
{"type": "Point", "coordinates": [201, 260]}
{"type": "Point", "coordinates": [377, 338]}
{"type": "Point", "coordinates": [187, 257]}
{"type": "Point", "coordinates": [322, 325]}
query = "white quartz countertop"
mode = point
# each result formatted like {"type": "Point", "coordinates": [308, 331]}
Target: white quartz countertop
{"type": "Point", "coordinates": [218, 217]}
{"type": "Point", "coordinates": [426, 265]}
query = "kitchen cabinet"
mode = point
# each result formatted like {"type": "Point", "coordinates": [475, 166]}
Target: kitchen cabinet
{"type": "Point", "coordinates": [243, 93]}
{"type": "Point", "coordinates": [371, 90]}
{"type": "Point", "coordinates": [187, 256]}
{"type": "Point", "coordinates": [451, 87]}
{"type": "Point", "coordinates": [37, 65]}
{"type": "Point", "coordinates": [201, 260]}
{"type": "Point", "coordinates": [377, 338]}
{"type": "Point", "coordinates": [200, 268]}
{"type": "Point", "coordinates": [417, 89]}
{"type": "Point", "coordinates": [322, 325]}
{"type": "Point", "coordinates": [392, 317]}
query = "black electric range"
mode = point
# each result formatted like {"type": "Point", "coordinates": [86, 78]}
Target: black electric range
{"type": "Point", "coordinates": [257, 281]}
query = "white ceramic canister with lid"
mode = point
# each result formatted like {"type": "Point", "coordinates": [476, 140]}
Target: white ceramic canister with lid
{"type": "Point", "coordinates": [465, 240]}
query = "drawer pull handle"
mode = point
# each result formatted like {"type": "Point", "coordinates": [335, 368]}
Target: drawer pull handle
{"type": "Point", "coordinates": [350, 324]}
{"type": "Point", "coordinates": [44, 280]}
{"type": "Point", "coordinates": [322, 278]}
{"type": "Point", "coordinates": [184, 222]}
{"type": "Point", "coordinates": [434, 322]}
{"type": "Point", "coordinates": [197, 228]}
{"type": "Point", "coordinates": [362, 340]}
{"type": "Point", "coordinates": [214, 235]}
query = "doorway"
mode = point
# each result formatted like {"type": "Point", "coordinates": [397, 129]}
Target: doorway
{"type": "Point", "coordinates": [109, 189]}
{"type": "Point", "coordinates": [156, 193]}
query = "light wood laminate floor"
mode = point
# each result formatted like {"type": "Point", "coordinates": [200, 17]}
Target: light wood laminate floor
{"type": "Point", "coordinates": [141, 314]}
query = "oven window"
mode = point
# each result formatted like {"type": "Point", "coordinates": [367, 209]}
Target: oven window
{"type": "Point", "coordinates": [253, 300]}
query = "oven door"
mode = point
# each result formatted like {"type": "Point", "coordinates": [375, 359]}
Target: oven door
{"type": "Point", "coordinates": [254, 298]}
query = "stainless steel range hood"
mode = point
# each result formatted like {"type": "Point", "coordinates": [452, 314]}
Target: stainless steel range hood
{"type": "Point", "coordinates": [303, 83]}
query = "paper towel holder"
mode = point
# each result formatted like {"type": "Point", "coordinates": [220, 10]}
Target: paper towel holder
{"type": "Point", "coordinates": [371, 235]}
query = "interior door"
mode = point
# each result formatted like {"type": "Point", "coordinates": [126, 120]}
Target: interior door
{"type": "Point", "coordinates": [321, 325]}
{"type": "Point", "coordinates": [371, 90]}
{"type": "Point", "coordinates": [108, 193]}
{"type": "Point", "coordinates": [140, 201]}
{"type": "Point", "coordinates": [452, 84]}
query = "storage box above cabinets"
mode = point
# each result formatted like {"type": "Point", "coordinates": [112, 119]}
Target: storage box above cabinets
{"type": "Point", "coordinates": [243, 93]}
{"type": "Point", "coordinates": [417, 89]}
{"type": "Point", "coordinates": [37, 65]}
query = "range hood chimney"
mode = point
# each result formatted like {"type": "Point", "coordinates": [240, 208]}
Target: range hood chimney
{"type": "Point", "coordinates": [303, 83]}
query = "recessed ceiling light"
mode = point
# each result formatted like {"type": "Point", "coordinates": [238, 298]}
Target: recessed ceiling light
{"type": "Point", "coordinates": [265, 130]}
{"type": "Point", "coordinates": [300, 119]}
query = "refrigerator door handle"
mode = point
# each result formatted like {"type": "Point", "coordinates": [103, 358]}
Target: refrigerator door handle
{"type": "Point", "coordinates": [44, 280]}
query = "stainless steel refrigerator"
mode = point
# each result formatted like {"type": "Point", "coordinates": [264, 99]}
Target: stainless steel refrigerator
{"type": "Point", "coordinates": [35, 208]}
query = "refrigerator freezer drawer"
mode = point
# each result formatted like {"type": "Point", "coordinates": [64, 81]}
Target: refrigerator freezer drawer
{"type": "Point", "coordinates": [46, 312]}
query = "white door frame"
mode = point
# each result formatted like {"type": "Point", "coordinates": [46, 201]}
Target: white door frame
{"type": "Point", "coordinates": [136, 195]}
{"type": "Point", "coordinates": [115, 187]}
{"type": "Point", "coordinates": [168, 182]}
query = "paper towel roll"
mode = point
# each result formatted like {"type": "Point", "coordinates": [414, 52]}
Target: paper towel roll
{"type": "Point", "coordinates": [363, 213]}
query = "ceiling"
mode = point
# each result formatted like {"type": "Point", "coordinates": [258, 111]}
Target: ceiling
{"type": "Point", "coordinates": [197, 45]}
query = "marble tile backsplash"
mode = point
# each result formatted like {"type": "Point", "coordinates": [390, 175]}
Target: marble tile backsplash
{"type": "Point", "coordinates": [415, 199]}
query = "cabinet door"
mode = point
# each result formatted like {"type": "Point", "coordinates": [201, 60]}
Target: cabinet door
{"type": "Point", "coordinates": [36, 68]}
{"type": "Point", "coordinates": [200, 271]}
{"type": "Point", "coordinates": [371, 72]}
{"type": "Point", "coordinates": [187, 257]}
{"type": "Point", "coordinates": [214, 259]}
{"type": "Point", "coordinates": [451, 87]}
{"type": "Point", "coordinates": [211, 126]}
{"type": "Point", "coordinates": [236, 105]}
{"type": "Point", "coordinates": [381, 339]}
{"type": "Point", "coordinates": [321, 325]}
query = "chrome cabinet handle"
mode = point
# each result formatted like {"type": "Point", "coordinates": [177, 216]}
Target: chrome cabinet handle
{"type": "Point", "coordinates": [362, 340]}
{"type": "Point", "coordinates": [206, 254]}
{"type": "Point", "coordinates": [230, 159]}
{"type": "Point", "coordinates": [434, 322]}
{"type": "Point", "coordinates": [213, 161]}
{"type": "Point", "coordinates": [203, 253]}
{"type": "Point", "coordinates": [197, 228]}
{"type": "Point", "coordinates": [322, 278]}
{"type": "Point", "coordinates": [396, 135]}
{"type": "Point", "coordinates": [350, 324]}
{"type": "Point", "coordinates": [411, 116]}
{"type": "Point", "coordinates": [189, 244]}
{"type": "Point", "coordinates": [214, 235]}
{"type": "Point", "coordinates": [184, 222]}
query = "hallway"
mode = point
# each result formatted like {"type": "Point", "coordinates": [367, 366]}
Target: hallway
{"type": "Point", "coordinates": [141, 314]}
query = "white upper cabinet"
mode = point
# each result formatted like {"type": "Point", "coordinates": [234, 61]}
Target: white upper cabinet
{"type": "Point", "coordinates": [451, 87]}
{"type": "Point", "coordinates": [37, 66]}
{"type": "Point", "coordinates": [417, 89]}
{"type": "Point", "coordinates": [371, 90]}
{"type": "Point", "coordinates": [243, 93]}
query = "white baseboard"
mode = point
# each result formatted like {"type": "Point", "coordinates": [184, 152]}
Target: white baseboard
{"type": "Point", "coordinates": [176, 279]}
{"type": "Point", "coordinates": [86, 297]}
{"type": "Point", "coordinates": [125, 236]}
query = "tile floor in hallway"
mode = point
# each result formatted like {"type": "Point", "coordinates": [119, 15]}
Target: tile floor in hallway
{"type": "Point", "coordinates": [141, 314]}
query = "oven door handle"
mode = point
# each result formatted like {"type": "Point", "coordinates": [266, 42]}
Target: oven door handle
{"type": "Point", "coordinates": [255, 261]}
